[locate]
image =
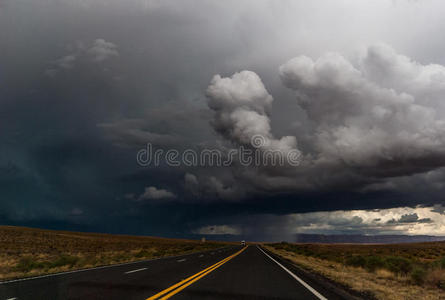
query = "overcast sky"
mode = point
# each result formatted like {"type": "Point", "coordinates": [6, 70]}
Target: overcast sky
{"type": "Point", "coordinates": [356, 87]}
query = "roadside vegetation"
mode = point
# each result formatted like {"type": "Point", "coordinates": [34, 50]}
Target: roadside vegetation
{"type": "Point", "coordinates": [28, 252]}
{"type": "Point", "coordinates": [396, 271]}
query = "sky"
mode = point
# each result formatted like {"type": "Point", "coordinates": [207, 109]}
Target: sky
{"type": "Point", "coordinates": [348, 94]}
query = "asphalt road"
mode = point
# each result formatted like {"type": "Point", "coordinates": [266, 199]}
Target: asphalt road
{"type": "Point", "coordinates": [229, 273]}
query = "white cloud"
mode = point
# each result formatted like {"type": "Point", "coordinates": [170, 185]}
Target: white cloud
{"type": "Point", "coordinates": [241, 104]}
{"type": "Point", "coordinates": [102, 50]}
{"type": "Point", "coordinates": [153, 193]}
{"type": "Point", "coordinates": [401, 220]}
{"type": "Point", "coordinates": [366, 119]}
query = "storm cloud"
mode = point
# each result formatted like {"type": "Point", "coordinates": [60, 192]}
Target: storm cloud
{"type": "Point", "coordinates": [366, 124]}
{"type": "Point", "coordinates": [360, 128]}
{"type": "Point", "coordinates": [354, 95]}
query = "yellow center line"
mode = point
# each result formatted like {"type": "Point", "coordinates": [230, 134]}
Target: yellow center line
{"type": "Point", "coordinates": [176, 288]}
{"type": "Point", "coordinates": [184, 281]}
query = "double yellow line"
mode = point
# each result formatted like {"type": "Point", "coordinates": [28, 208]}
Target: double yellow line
{"type": "Point", "coordinates": [176, 288]}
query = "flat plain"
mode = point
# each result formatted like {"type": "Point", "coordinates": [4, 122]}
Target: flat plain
{"type": "Point", "coordinates": [28, 252]}
{"type": "Point", "coordinates": [382, 271]}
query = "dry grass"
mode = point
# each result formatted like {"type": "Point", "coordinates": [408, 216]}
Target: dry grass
{"type": "Point", "coordinates": [436, 278]}
{"type": "Point", "coordinates": [422, 252]}
{"type": "Point", "coordinates": [330, 261]}
{"type": "Point", "coordinates": [29, 252]}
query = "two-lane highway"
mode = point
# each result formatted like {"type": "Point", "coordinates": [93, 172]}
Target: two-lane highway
{"type": "Point", "coordinates": [229, 273]}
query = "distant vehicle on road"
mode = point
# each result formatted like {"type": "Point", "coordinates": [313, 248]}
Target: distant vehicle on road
{"type": "Point", "coordinates": [243, 243]}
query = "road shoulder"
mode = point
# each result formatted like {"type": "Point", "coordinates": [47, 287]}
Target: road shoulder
{"type": "Point", "coordinates": [328, 287]}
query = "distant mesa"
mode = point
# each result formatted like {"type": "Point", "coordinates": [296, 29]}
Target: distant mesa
{"type": "Point", "coordinates": [365, 239]}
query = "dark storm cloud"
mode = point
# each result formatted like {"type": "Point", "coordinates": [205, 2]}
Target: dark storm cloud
{"type": "Point", "coordinates": [413, 218]}
{"type": "Point", "coordinates": [88, 83]}
{"type": "Point", "coordinates": [362, 130]}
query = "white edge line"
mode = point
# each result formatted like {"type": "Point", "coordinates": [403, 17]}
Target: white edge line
{"type": "Point", "coordinates": [101, 267]}
{"type": "Point", "coordinates": [319, 296]}
{"type": "Point", "coordinates": [137, 270]}
{"type": "Point", "coordinates": [181, 260]}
